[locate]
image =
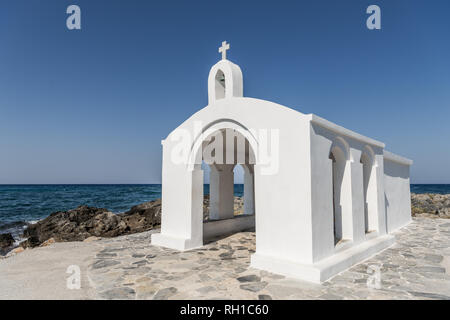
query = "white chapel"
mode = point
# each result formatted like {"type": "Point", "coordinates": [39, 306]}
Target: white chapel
{"type": "Point", "coordinates": [320, 197]}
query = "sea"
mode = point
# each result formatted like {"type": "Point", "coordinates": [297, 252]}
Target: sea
{"type": "Point", "coordinates": [23, 204]}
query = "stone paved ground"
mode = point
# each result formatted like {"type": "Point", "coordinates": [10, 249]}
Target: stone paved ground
{"type": "Point", "coordinates": [416, 267]}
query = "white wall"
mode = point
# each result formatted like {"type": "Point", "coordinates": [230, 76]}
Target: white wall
{"type": "Point", "coordinates": [397, 191]}
{"type": "Point", "coordinates": [215, 228]}
{"type": "Point", "coordinates": [325, 138]}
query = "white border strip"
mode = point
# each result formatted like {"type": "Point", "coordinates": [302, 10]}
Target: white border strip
{"type": "Point", "coordinates": [343, 131]}
{"type": "Point", "coordinates": [396, 158]}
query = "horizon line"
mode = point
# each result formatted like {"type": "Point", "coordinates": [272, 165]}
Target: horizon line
{"type": "Point", "coordinates": [153, 183]}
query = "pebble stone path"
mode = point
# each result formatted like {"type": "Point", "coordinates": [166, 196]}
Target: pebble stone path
{"type": "Point", "coordinates": [416, 267]}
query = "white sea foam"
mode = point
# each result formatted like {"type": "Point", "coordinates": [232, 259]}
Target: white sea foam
{"type": "Point", "coordinates": [17, 241]}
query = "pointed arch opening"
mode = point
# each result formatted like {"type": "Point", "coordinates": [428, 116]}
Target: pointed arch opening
{"type": "Point", "coordinates": [238, 174]}
{"type": "Point", "coordinates": [244, 189]}
{"type": "Point", "coordinates": [220, 85]}
{"type": "Point", "coordinates": [206, 168]}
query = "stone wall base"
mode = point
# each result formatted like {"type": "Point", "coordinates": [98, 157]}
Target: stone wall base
{"type": "Point", "coordinates": [327, 268]}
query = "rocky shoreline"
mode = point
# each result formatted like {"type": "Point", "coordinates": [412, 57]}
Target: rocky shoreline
{"type": "Point", "coordinates": [430, 205]}
{"type": "Point", "coordinates": [86, 222]}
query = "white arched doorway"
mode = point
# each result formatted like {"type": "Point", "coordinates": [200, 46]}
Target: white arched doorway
{"type": "Point", "coordinates": [222, 149]}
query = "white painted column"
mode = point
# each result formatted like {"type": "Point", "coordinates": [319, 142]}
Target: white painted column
{"type": "Point", "coordinates": [249, 194]}
{"type": "Point", "coordinates": [182, 210]}
{"type": "Point", "coordinates": [380, 196]}
{"type": "Point", "coordinates": [221, 191]}
{"type": "Point", "coordinates": [196, 209]}
{"type": "Point", "coordinates": [346, 209]}
{"type": "Point", "coordinates": [357, 196]}
{"type": "Point", "coordinates": [372, 201]}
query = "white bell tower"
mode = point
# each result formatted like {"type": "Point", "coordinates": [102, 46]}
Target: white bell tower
{"type": "Point", "coordinates": [225, 78]}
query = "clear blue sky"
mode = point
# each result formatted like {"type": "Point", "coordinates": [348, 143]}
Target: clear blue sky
{"type": "Point", "coordinates": [92, 106]}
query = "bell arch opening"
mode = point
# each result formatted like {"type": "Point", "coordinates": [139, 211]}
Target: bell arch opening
{"type": "Point", "coordinates": [220, 85]}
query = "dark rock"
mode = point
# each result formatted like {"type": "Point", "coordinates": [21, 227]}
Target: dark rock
{"type": "Point", "coordinates": [6, 240]}
{"type": "Point", "coordinates": [249, 278]}
{"type": "Point", "coordinates": [141, 262]}
{"type": "Point", "coordinates": [225, 255]}
{"type": "Point", "coordinates": [264, 297]}
{"type": "Point", "coordinates": [104, 263]}
{"type": "Point", "coordinates": [83, 222]}
{"type": "Point", "coordinates": [143, 217]}
{"type": "Point", "coordinates": [106, 255]}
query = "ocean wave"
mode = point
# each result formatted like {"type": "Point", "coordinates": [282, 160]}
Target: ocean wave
{"type": "Point", "coordinates": [14, 225]}
{"type": "Point", "coordinates": [16, 229]}
{"type": "Point", "coordinates": [32, 222]}
{"type": "Point", "coordinates": [18, 240]}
